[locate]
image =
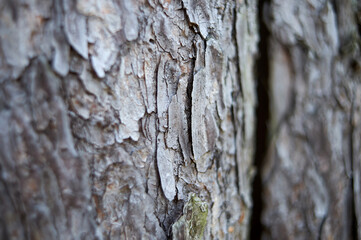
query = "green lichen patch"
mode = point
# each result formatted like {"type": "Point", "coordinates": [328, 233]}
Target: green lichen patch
{"type": "Point", "coordinates": [193, 221]}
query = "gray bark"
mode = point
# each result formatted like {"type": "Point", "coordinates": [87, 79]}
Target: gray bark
{"type": "Point", "coordinates": [114, 113]}
{"type": "Point", "coordinates": [312, 172]}
{"type": "Point", "coordinates": [136, 119]}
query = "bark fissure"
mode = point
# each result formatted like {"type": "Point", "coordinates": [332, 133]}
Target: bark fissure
{"type": "Point", "coordinates": [237, 60]}
{"type": "Point", "coordinates": [235, 154]}
{"type": "Point", "coordinates": [321, 227]}
{"type": "Point", "coordinates": [156, 127]}
{"type": "Point", "coordinates": [188, 109]}
{"type": "Point", "coordinates": [234, 96]}
{"type": "Point", "coordinates": [262, 121]}
{"type": "Point", "coordinates": [354, 230]}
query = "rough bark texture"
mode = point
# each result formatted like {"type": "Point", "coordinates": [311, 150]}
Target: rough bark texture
{"type": "Point", "coordinates": [312, 174]}
{"type": "Point", "coordinates": [114, 113]}
{"type": "Point", "coordinates": [126, 119]}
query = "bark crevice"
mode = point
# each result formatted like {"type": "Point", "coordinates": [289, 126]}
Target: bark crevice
{"type": "Point", "coordinates": [188, 109]}
{"type": "Point", "coordinates": [239, 79]}
{"type": "Point", "coordinates": [262, 118]}
{"type": "Point", "coordinates": [354, 232]}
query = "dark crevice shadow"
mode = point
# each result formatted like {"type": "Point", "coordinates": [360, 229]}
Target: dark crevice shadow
{"type": "Point", "coordinates": [262, 118]}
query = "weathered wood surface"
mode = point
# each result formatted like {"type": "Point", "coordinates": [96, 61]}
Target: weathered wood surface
{"type": "Point", "coordinates": [112, 112]}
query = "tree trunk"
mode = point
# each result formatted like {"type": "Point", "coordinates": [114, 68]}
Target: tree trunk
{"type": "Point", "coordinates": [139, 119]}
{"type": "Point", "coordinates": [311, 176]}
{"type": "Point", "coordinates": [120, 119]}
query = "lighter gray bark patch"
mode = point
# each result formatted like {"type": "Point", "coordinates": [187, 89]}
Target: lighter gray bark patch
{"type": "Point", "coordinates": [165, 158]}
{"type": "Point", "coordinates": [76, 32]}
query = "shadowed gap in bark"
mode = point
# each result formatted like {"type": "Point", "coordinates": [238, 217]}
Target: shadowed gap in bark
{"type": "Point", "coordinates": [262, 116]}
{"type": "Point", "coordinates": [354, 233]}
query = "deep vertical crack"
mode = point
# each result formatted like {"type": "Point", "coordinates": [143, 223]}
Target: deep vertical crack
{"type": "Point", "coordinates": [188, 109]}
{"type": "Point", "coordinates": [234, 96]}
{"type": "Point", "coordinates": [353, 232]}
{"type": "Point", "coordinates": [156, 122]}
{"type": "Point", "coordinates": [235, 154]}
{"type": "Point", "coordinates": [262, 117]}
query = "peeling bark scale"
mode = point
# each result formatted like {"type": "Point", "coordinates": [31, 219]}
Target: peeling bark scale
{"type": "Point", "coordinates": [124, 119]}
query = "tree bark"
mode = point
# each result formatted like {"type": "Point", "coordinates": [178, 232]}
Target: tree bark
{"type": "Point", "coordinates": [311, 176]}
{"type": "Point", "coordinates": [116, 115]}
{"type": "Point", "coordinates": [137, 119]}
